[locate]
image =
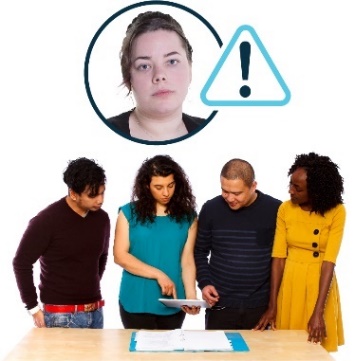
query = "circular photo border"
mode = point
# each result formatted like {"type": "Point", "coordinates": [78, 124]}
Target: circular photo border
{"type": "Point", "coordinates": [92, 44]}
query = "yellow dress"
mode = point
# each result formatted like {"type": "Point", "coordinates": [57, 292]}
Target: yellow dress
{"type": "Point", "coordinates": [306, 240]}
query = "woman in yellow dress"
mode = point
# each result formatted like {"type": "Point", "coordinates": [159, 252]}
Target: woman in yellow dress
{"type": "Point", "coordinates": [304, 291]}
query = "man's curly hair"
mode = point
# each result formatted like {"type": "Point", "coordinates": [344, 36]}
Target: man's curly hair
{"type": "Point", "coordinates": [182, 205]}
{"type": "Point", "coordinates": [324, 183]}
{"type": "Point", "coordinates": [82, 173]}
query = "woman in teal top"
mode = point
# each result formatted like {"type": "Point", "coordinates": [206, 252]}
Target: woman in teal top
{"type": "Point", "coordinates": [154, 242]}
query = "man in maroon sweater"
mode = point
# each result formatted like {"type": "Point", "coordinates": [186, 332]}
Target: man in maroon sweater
{"type": "Point", "coordinates": [70, 238]}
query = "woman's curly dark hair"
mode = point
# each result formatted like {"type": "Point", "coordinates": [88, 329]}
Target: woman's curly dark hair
{"type": "Point", "coordinates": [324, 183]}
{"type": "Point", "coordinates": [182, 205]}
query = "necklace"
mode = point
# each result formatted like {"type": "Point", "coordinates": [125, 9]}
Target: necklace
{"type": "Point", "coordinates": [150, 136]}
{"type": "Point", "coordinates": [179, 131]}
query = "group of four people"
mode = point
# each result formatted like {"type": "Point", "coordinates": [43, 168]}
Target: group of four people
{"type": "Point", "coordinates": [260, 263]}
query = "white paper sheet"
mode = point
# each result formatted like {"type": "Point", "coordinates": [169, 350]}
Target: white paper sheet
{"type": "Point", "coordinates": [182, 340]}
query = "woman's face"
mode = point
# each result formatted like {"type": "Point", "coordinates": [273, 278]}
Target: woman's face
{"type": "Point", "coordinates": [160, 72]}
{"type": "Point", "coordinates": [298, 189]}
{"type": "Point", "coordinates": [162, 188]}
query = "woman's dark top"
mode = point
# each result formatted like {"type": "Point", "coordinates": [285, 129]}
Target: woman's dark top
{"type": "Point", "coordinates": [120, 122]}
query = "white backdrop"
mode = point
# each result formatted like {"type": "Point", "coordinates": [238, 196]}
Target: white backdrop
{"type": "Point", "coordinates": [47, 119]}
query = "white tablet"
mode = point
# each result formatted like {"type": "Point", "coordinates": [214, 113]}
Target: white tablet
{"type": "Point", "coordinates": [171, 302]}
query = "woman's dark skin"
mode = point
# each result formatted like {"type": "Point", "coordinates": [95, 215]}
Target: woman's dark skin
{"type": "Point", "coordinates": [316, 325]}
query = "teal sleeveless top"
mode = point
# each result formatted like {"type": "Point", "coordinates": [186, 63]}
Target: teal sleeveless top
{"type": "Point", "coordinates": [159, 244]}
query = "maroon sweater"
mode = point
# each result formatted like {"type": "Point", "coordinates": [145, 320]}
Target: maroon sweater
{"type": "Point", "coordinates": [72, 251]}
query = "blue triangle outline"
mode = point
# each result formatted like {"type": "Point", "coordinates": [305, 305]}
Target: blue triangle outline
{"type": "Point", "coordinates": [220, 63]}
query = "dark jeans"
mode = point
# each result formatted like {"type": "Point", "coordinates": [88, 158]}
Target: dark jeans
{"type": "Point", "coordinates": [150, 321]}
{"type": "Point", "coordinates": [227, 318]}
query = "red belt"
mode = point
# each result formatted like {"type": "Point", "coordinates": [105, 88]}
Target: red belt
{"type": "Point", "coordinates": [73, 308]}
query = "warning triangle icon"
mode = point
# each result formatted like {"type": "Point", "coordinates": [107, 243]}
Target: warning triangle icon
{"type": "Point", "coordinates": [245, 75]}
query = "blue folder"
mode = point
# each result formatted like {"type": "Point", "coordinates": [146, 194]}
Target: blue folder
{"type": "Point", "coordinates": [235, 338]}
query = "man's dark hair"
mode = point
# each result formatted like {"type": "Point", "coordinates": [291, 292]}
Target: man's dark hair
{"type": "Point", "coordinates": [82, 173]}
{"type": "Point", "coordinates": [239, 169]}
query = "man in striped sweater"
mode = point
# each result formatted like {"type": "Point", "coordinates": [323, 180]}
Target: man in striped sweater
{"type": "Point", "coordinates": [233, 249]}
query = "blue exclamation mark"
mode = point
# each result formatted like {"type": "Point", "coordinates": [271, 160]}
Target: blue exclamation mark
{"type": "Point", "coordinates": [244, 48]}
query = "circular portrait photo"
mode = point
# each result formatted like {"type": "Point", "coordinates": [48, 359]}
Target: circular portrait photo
{"type": "Point", "coordinates": [144, 71]}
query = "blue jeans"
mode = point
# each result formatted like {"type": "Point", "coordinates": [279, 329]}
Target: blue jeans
{"type": "Point", "coordinates": [94, 319]}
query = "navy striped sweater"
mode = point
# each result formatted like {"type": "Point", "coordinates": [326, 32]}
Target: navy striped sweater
{"type": "Point", "coordinates": [233, 250]}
